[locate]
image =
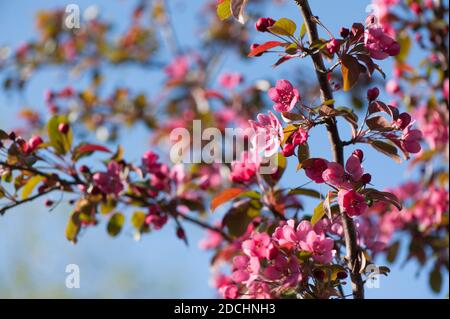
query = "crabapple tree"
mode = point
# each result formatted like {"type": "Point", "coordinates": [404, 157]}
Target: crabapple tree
{"type": "Point", "coordinates": [270, 246]}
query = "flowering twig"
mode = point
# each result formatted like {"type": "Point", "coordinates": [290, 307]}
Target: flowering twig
{"type": "Point", "coordinates": [338, 151]}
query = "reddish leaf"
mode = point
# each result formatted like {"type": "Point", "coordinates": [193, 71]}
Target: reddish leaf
{"type": "Point", "coordinates": [264, 47]}
{"type": "Point", "coordinates": [92, 148]}
{"type": "Point", "coordinates": [225, 196]}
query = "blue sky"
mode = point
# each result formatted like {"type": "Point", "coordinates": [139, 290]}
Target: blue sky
{"type": "Point", "coordinates": [33, 250]}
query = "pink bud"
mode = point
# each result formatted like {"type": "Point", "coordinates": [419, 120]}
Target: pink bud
{"type": "Point", "coordinates": [360, 154]}
{"type": "Point", "coordinates": [263, 24]}
{"type": "Point", "coordinates": [63, 128]}
{"type": "Point", "coordinates": [372, 94]}
{"type": "Point", "coordinates": [34, 142]}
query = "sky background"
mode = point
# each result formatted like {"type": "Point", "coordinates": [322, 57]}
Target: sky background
{"type": "Point", "coordinates": [33, 250]}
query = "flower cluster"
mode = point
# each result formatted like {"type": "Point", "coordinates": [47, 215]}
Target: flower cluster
{"type": "Point", "coordinates": [271, 265]}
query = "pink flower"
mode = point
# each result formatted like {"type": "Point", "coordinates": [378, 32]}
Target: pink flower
{"type": "Point", "coordinates": [379, 44]}
{"type": "Point", "coordinates": [155, 217]}
{"type": "Point", "coordinates": [393, 87]}
{"type": "Point", "coordinates": [229, 291]}
{"type": "Point", "coordinates": [333, 46]}
{"type": "Point", "coordinates": [258, 290]}
{"type": "Point", "coordinates": [315, 168]}
{"type": "Point", "coordinates": [213, 240]}
{"type": "Point", "coordinates": [230, 80]}
{"type": "Point", "coordinates": [245, 169]}
{"type": "Point", "coordinates": [320, 247]}
{"type": "Point", "coordinates": [34, 143]}
{"type": "Point", "coordinates": [245, 269]}
{"type": "Point", "coordinates": [352, 202]}
{"type": "Point", "coordinates": [150, 162]}
{"type": "Point", "coordinates": [268, 134]}
{"type": "Point", "coordinates": [445, 89]}
{"type": "Point", "coordinates": [109, 182]}
{"type": "Point", "coordinates": [289, 237]}
{"type": "Point", "coordinates": [178, 68]}
{"type": "Point", "coordinates": [284, 95]}
{"type": "Point", "coordinates": [410, 141]}
{"type": "Point", "coordinates": [297, 138]}
{"type": "Point", "coordinates": [285, 269]}
{"type": "Point", "coordinates": [354, 168]}
{"type": "Point", "coordinates": [434, 128]}
{"type": "Point", "coordinates": [335, 175]}
{"type": "Point", "coordinates": [257, 245]}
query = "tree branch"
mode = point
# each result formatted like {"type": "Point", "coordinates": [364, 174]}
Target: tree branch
{"type": "Point", "coordinates": [352, 247]}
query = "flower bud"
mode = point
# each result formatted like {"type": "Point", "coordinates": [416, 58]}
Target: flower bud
{"type": "Point", "coordinates": [344, 32]}
{"type": "Point", "coordinates": [372, 94]}
{"type": "Point", "coordinates": [263, 24]}
{"type": "Point", "coordinates": [63, 128]}
{"type": "Point", "coordinates": [359, 153]}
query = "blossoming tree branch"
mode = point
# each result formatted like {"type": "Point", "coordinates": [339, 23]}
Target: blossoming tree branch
{"type": "Point", "coordinates": [270, 246]}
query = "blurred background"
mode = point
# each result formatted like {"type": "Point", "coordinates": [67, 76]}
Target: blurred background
{"type": "Point", "coordinates": [33, 249]}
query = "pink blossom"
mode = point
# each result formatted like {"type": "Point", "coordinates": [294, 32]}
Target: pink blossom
{"type": "Point", "coordinates": [245, 269]}
{"type": "Point", "coordinates": [445, 89]}
{"type": "Point", "coordinates": [379, 44]}
{"type": "Point", "coordinates": [155, 217]}
{"type": "Point", "coordinates": [213, 240]}
{"type": "Point", "coordinates": [268, 134]}
{"type": "Point", "coordinates": [410, 141]}
{"type": "Point", "coordinates": [434, 128]}
{"type": "Point", "coordinates": [335, 175]}
{"type": "Point", "coordinates": [150, 162]}
{"type": "Point", "coordinates": [315, 169]}
{"type": "Point", "coordinates": [258, 290]}
{"type": "Point", "coordinates": [178, 68]}
{"type": "Point", "coordinates": [320, 247]}
{"type": "Point", "coordinates": [284, 95]}
{"type": "Point", "coordinates": [257, 245]}
{"type": "Point", "coordinates": [354, 168]}
{"type": "Point", "coordinates": [352, 202]}
{"type": "Point", "coordinates": [245, 169]}
{"type": "Point", "coordinates": [229, 291]}
{"type": "Point", "coordinates": [285, 269]}
{"type": "Point", "coordinates": [34, 143]}
{"type": "Point", "coordinates": [333, 46]}
{"type": "Point", "coordinates": [109, 182]}
{"type": "Point", "coordinates": [393, 87]}
{"type": "Point", "coordinates": [230, 80]}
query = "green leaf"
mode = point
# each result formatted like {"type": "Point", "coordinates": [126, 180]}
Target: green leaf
{"type": "Point", "coordinates": [73, 227]}
{"type": "Point", "coordinates": [107, 206]}
{"type": "Point", "coordinates": [225, 197]}
{"type": "Point", "coordinates": [405, 46]}
{"type": "Point", "coordinates": [30, 185]}
{"type": "Point", "coordinates": [379, 123]}
{"type": "Point", "coordinates": [238, 219]}
{"type": "Point", "coordinates": [115, 224]}
{"type": "Point", "coordinates": [303, 152]}
{"type": "Point", "coordinates": [392, 252]}
{"type": "Point", "coordinates": [224, 10]}
{"type": "Point", "coordinates": [138, 220]}
{"type": "Point", "coordinates": [284, 26]}
{"type": "Point", "coordinates": [306, 192]}
{"type": "Point", "coordinates": [319, 212]}
{"type": "Point", "coordinates": [303, 31]}
{"type": "Point", "coordinates": [3, 135]}
{"type": "Point", "coordinates": [435, 279]}
{"type": "Point", "coordinates": [351, 69]}
{"type": "Point", "coordinates": [60, 142]}
{"type": "Point", "coordinates": [387, 149]}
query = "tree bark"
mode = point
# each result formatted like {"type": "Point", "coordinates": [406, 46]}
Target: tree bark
{"type": "Point", "coordinates": [352, 248]}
